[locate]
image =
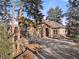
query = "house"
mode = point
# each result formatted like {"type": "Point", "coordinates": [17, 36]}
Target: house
{"type": "Point", "coordinates": [49, 29]}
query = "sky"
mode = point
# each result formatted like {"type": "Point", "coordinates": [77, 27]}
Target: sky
{"type": "Point", "coordinates": [52, 4]}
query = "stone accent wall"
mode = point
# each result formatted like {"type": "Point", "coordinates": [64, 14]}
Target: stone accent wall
{"type": "Point", "coordinates": [51, 32]}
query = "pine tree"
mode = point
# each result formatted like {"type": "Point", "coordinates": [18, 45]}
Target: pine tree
{"type": "Point", "coordinates": [73, 19]}
{"type": "Point", "coordinates": [55, 14]}
{"type": "Point", "coordinates": [5, 44]}
{"type": "Point", "coordinates": [5, 40]}
{"type": "Point", "coordinates": [33, 8]}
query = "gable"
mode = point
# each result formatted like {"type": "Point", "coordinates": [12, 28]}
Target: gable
{"type": "Point", "coordinates": [53, 24]}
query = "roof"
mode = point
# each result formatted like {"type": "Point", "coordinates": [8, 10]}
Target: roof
{"type": "Point", "coordinates": [53, 24]}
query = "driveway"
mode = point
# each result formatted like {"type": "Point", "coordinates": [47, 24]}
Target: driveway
{"type": "Point", "coordinates": [57, 49]}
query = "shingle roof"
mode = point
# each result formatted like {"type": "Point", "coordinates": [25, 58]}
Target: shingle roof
{"type": "Point", "coordinates": [53, 24]}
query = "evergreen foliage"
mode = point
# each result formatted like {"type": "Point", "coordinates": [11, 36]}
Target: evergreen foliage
{"type": "Point", "coordinates": [55, 14]}
{"type": "Point", "coordinates": [73, 19]}
{"type": "Point", "coordinates": [5, 44]}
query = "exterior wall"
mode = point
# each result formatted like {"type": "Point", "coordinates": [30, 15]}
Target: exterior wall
{"type": "Point", "coordinates": [44, 34]}
{"type": "Point", "coordinates": [44, 31]}
{"type": "Point", "coordinates": [62, 32]}
{"type": "Point", "coordinates": [51, 32]}
{"type": "Point", "coordinates": [55, 34]}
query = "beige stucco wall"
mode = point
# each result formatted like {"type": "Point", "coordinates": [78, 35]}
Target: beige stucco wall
{"type": "Point", "coordinates": [55, 35]}
{"type": "Point", "coordinates": [62, 31]}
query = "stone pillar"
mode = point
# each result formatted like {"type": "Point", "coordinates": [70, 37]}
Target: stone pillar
{"type": "Point", "coordinates": [44, 33]}
{"type": "Point", "coordinates": [51, 31]}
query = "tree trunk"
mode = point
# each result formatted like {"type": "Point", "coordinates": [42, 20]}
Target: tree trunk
{"type": "Point", "coordinates": [1, 56]}
{"type": "Point", "coordinates": [12, 16]}
{"type": "Point", "coordinates": [12, 27]}
{"type": "Point", "coordinates": [19, 16]}
{"type": "Point", "coordinates": [5, 19]}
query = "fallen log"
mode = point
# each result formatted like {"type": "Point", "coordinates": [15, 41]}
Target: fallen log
{"type": "Point", "coordinates": [32, 48]}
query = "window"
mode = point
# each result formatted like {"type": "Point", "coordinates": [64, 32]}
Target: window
{"type": "Point", "coordinates": [55, 31]}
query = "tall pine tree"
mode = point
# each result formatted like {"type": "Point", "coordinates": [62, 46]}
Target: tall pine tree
{"type": "Point", "coordinates": [34, 8]}
{"type": "Point", "coordinates": [55, 14]}
{"type": "Point", "coordinates": [73, 19]}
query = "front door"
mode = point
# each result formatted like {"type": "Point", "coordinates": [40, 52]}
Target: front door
{"type": "Point", "coordinates": [47, 32]}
